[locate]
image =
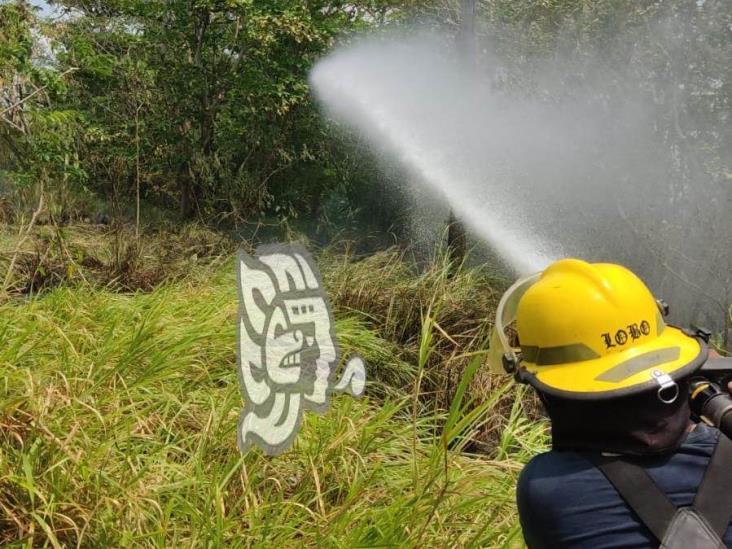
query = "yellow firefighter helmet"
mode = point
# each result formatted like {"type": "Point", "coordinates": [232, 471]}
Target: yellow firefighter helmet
{"type": "Point", "coordinates": [591, 331]}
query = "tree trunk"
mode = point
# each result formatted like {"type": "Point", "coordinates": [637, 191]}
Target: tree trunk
{"type": "Point", "coordinates": [456, 237]}
{"type": "Point", "coordinates": [456, 242]}
{"type": "Point", "coordinates": [185, 190]}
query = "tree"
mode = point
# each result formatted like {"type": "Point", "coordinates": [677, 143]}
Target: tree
{"type": "Point", "coordinates": [36, 130]}
{"type": "Point", "coordinates": [228, 118]}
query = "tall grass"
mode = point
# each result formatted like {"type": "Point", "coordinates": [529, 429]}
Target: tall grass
{"type": "Point", "coordinates": [102, 256]}
{"type": "Point", "coordinates": [118, 417]}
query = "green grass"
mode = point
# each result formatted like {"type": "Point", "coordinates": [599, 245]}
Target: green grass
{"type": "Point", "coordinates": [118, 419]}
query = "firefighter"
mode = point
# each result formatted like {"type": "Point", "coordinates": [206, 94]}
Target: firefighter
{"type": "Point", "coordinates": [627, 467]}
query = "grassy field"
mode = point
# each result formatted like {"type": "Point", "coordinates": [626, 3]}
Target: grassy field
{"type": "Point", "coordinates": [118, 413]}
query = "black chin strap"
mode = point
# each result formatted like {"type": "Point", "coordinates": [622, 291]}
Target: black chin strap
{"type": "Point", "coordinates": [713, 499]}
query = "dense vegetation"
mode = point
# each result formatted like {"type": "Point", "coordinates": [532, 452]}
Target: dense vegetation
{"type": "Point", "coordinates": [203, 106]}
{"type": "Point", "coordinates": [199, 107]}
{"type": "Point", "coordinates": [118, 415]}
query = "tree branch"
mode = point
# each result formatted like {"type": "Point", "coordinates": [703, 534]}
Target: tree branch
{"type": "Point", "coordinates": [34, 93]}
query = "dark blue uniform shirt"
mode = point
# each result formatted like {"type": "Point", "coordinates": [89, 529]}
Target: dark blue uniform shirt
{"type": "Point", "coordinates": [564, 501]}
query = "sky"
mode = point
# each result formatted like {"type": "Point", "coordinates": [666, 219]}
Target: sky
{"type": "Point", "coordinates": [46, 9]}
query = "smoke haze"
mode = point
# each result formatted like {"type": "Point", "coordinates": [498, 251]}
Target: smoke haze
{"type": "Point", "coordinates": [566, 168]}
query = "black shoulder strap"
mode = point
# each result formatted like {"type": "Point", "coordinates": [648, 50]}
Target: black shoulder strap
{"type": "Point", "coordinates": [639, 491]}
{"type": "Point", "coordinates": [714, 498]}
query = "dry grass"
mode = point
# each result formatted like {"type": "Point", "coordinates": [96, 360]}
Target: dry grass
{"type": "Point", "coordinates": [392, 296]}
{"type": "Point", "coordinates": [102, 256]}
{"type": "Point", "coordinates": [118, 414]}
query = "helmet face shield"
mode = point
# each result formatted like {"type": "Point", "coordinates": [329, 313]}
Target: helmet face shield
{"type": "Point", "coordinates": [505, 315]}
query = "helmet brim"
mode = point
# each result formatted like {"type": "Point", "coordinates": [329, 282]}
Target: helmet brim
{"type": "Point", "coordinates": [623, 373]}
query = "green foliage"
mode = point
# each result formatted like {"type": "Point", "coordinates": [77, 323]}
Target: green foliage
{"type": "Point", "coordinates": [15, 40]}
{"type": "Point", "coordinates": [204, 105]}
{"type": "Point", "coordinates": [214, 93]}
{"type": "Point", "coordinates": [119, 414]}
{"type": "Point", "coordinates": [37, 132]}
